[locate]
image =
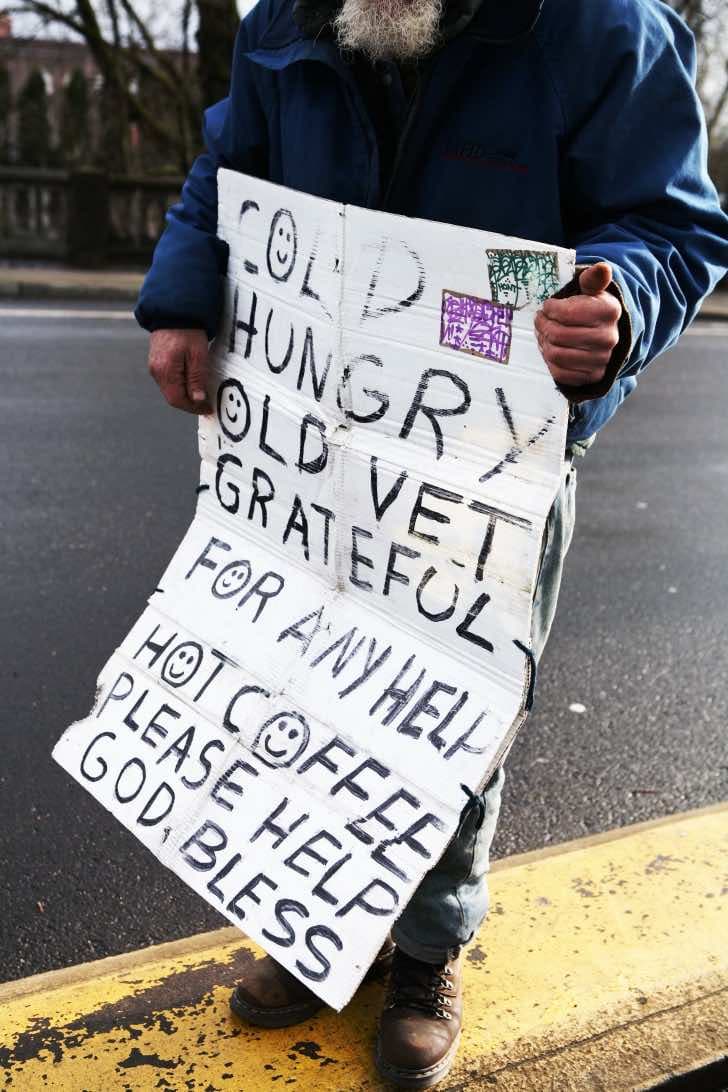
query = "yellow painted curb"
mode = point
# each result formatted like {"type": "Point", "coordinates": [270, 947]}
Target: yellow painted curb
{"type": "Point", "coordinates": [603, 966]}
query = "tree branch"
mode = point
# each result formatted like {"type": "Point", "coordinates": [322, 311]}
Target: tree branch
{"type": "Point", "coordinates": [47, 13]}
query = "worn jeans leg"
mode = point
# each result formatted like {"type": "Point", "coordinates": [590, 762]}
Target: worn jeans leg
{"type": "Point", "coordinates": [452, 901]}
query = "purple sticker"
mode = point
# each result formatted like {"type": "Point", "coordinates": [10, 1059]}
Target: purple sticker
{"type": "Point", "coordinates": [476, 326]}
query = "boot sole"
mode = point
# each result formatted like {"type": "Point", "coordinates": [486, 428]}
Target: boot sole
{"type": "Point", "coordinates": [295, 1014]}
{"type": "Point", "coordinates": [417, 1078]}
{"type": "Point", "coordinates": [274, 1018]}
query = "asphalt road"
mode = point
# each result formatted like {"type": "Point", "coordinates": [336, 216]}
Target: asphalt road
{"type": "Point", "coordinates": [98, 485]}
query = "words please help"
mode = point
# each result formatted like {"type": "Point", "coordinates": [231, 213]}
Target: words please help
{"type": "Point", "coordinates": [339, 648]}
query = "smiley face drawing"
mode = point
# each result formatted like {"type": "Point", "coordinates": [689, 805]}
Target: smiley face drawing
{"type": "Point", "coordinates": [182, 664]}
{"type": "Point", "coordinates": [231, 580]}
{"type": "Point", "coordinates": [282, 740]}
{"type": "Point", "coordinates": [233, 410]}
{"type": "Point", "coordinates": [282, 246]}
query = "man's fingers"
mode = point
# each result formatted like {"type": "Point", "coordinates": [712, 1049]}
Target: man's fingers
{"type": "Point", "coordinates": [178, 364]}
{"type": "Point", "coordinates": [196, 377]}
{"type": "Point", "coordinates": [566, 378]}
{"type": "Point", "coordinates": [595, 279]}
{"type": "Point", "coordinates": [577, 335]}
{"type": "Point", "coordinates": [174, 389]}
{"type": "Point", "coordinates": [167, 368]}
{"type": "Point", "coordinates": [583, 310]}
{"type": "Point", "coordinates": [575, 366]}
{"type": "Point", "coordinates": [592, 338]}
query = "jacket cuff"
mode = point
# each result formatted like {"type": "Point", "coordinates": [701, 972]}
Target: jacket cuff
{"type": "Point", "coordinates": [620, 353]}
{"type": "Point", "coordinates": [170, 323]}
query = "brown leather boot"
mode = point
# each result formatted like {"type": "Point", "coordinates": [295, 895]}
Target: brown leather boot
{"type": "Point", "coordinates": [270, 997]}
{"type": "Point", "coordinates": [419, 1031]}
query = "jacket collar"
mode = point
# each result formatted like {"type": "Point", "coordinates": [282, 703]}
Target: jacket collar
{"type": "Point", "coordinates": [503, 23]}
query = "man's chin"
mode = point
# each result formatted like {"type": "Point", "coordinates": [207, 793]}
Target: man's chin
{"type": "Point", "coordinates": [388, 29]}
{"type": "Point", "coordinates": [378, 52]}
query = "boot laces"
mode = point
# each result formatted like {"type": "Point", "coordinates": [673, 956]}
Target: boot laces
{"type": "Point", "coordinates": [424, 987]}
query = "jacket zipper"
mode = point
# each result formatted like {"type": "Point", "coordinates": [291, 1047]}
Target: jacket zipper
{"type": "Point", "coordinates": [404, 137]}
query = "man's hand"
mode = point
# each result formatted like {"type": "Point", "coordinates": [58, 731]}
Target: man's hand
{"type": "Point", "coordinates": [178, 363]}
{"type": "Point", "coordinates": [577, 335]}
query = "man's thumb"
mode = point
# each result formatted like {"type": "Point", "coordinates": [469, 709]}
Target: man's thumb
{"type": "Point", "coordinates": [595, 279]}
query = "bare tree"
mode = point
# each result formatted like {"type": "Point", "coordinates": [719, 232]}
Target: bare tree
{"type": "Point", "coordinates": [35, 142]}
{"type": "Point", "coordinates": [160, 90]}
{"type": "Point", "coordinates": [6, 105]}
{"type": "Point", "coordinates": [708, 20]}
{"type": "Point", "coordinates": [218, 24]}
{"type": "Point", "coordinates": [74, 136]}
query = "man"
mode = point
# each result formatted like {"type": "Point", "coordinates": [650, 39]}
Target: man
{"type": "Point", "coordinates": [573, 122]}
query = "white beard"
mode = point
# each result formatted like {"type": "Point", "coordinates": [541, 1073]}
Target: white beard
{"type": "Point", "coordinates": [388, 29]}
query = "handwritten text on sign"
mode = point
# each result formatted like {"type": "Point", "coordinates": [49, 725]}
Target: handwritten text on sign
{"type": "Point", "coordinates": [341, 642]}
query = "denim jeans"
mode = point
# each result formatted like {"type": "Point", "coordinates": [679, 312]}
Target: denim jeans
{"type": "Point", "coordinates": [452, 901]}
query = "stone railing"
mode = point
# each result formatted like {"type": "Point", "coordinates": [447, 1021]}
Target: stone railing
{"type": "Point", "coordinates": [86, 218]}
{"type": "Point", "coordinates": [33, 213]}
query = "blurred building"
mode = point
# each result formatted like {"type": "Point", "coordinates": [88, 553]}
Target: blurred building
{"type": "Point", "coordinates": [55, 110]}
{"type": "Point", "coordinates": [78, 181]}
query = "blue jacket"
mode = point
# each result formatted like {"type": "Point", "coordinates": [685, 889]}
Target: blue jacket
{"type": "Point", "coordinates": [574, 122]}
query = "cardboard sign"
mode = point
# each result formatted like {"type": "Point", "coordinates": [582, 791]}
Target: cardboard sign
{"type": "Point", "coordinates": [340, 645]}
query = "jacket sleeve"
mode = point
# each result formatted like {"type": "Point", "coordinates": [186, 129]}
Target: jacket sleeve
{"type": "Point", "coordinates": [636, 185]}
{"type": "Point", "coordinates": [184, 287]}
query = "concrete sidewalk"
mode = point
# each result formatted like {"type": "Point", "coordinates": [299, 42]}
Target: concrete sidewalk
{"type": "Point", "coordinates": [39, 283]}
{"type": "Point", "coordinates": [603, 966]}
{"type": "Point", "coordinates": [716, 306]}
{"type": "Point", "coordinates": [31, 283]}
